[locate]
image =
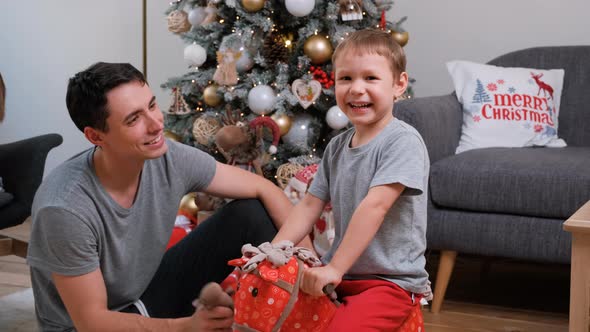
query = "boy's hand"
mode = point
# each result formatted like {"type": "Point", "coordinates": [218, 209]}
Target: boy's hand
{"type": "Point", "coordinates": [315, 278]}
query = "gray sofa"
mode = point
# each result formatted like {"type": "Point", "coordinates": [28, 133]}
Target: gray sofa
{"type": "Point", "coordinates": [506, 202]}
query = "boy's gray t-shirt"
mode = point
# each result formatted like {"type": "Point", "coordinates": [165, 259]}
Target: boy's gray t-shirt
{"type": "Point", "coordinates": [396, 155]}
{"type": "Point", "coordinates": [77, 227]}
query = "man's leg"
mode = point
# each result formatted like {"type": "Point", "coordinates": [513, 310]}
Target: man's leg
{"type": "Point", "coordinates": [202, 256]}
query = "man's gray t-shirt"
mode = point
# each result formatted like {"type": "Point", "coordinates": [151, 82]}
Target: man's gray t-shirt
{"type": "Point", "coordinates": [78, 227]}
{"type": "Point", "coordinates": [396, 155]}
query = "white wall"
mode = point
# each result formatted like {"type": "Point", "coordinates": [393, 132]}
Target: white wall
{"type": "Point", "coordinates": [479, 31]}
{"type": "Point", "coordinates": [165, 52]}
{"type": "Point", "coordinates": [42, 44]}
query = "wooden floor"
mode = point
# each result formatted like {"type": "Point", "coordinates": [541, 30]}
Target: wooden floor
{"type": "Point", "coordinates": [483, 295]}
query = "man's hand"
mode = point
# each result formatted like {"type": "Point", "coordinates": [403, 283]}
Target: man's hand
{"type": "Point", "coordinates": [315, 278]}
{"type": "Point", "coordinates": [215, 319]}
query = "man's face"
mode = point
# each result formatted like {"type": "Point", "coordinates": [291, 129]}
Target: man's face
{"type": "Point", "coordinates": [135, 123]}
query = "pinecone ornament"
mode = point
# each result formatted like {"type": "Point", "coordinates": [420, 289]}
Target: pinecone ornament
{"type": "Point", "coordinates": [275, 50]}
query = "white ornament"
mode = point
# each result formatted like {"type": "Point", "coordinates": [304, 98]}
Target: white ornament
{"type": "Point", "coordinates": [244, 62]}
{"type": "Point", "coordinates": [299, 8]}
{"type": "Point", "coordinates": [196, 16]}
{"type": "Point", "coordinates": [306, 93]}
{"type": "Point", "coordinates": [336, 119]}
{"type": "Point", "coordinates": [195, 54]}
{"type": "Point", "coordinates": [261, 99]}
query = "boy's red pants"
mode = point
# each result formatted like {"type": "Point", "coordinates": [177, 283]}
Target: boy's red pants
{"type": "Point", "coordinates": [375, 305]}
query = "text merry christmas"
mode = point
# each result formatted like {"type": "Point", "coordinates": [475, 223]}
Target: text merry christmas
{"type": "Point", "coordinates": [518, 107]}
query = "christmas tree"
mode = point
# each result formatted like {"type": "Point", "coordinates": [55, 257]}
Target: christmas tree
{"type": "Point", "coordinates": [480, 95]}
{"type": "Point", "coordinates": [256, 60]}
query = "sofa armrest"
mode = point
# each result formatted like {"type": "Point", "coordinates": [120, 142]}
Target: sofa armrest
{"type": "Point", "coordinates": [438, 119]}
{"type": "Point", "coordinates": [22, 164]}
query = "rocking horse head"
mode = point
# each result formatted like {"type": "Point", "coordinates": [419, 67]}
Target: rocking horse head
{"type": "Point", "coordinates": [267, 297]}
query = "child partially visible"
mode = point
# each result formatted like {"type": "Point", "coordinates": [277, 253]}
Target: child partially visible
{"type": "Point", "coordinates": [376, 176]}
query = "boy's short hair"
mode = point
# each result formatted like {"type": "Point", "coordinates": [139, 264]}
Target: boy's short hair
{"type": "Point", "coordinates": [86, 98]}
{"type": "Point", "coordinates": [374, 41]}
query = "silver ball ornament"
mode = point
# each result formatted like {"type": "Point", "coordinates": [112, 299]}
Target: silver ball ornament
{"type": "Point", "coordinates": [195, 54]}
{"type": "Point", "coordinates": [261, 99]}
{"type": "Point", "coordinates": [336, 119]}
{"type": "Point", "coordinates": [196, 16]}
{"type": "Point", "coordinates": [299, 8]}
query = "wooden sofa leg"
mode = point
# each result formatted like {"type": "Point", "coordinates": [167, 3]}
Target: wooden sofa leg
{"type": "Point", "coordinates": [445, 269]}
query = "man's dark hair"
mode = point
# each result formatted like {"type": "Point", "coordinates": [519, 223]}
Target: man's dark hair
{"type": "Point", "coordinates": [86, 98]}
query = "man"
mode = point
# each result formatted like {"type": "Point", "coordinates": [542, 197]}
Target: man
{"type": "Point", "coordinates": [101, 220]}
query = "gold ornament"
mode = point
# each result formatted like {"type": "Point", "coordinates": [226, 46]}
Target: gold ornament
{"type": "Point", "coordinates": [318, 48]}
{"type": "Point", "coordinates": [172, 136]}
{"type": "Point", "coordinates": [211, 95]}
{"type": "Point", "coordinates": [253, 5]}
{"type": "Point", "coordinates": [188, 204]}
{"type": "Point", "coordinates": [400, 37]}
{"type": "Point", "coordinates": [283, 121]}
{"type": "Point", "coordinates": [178, 22]}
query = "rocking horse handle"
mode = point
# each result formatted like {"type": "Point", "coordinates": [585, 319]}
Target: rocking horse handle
{"type": "Point", "coordinates": [329, 291]}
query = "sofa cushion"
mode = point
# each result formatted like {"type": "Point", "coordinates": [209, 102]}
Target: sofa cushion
{"type": "Point", "coordinates": [507, 107]}
{"type": "Point", "coordinates": [539, 182]}
{"type": "Point", "coordinates": [5, 198]}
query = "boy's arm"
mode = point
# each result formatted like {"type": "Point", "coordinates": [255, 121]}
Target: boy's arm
{"type": "Point", "coordinates": [234, 182]}
{"type": "Point", "coordinates": [363, 226]}
{"type": "Point", "coordinates": [300, 222]}
{"type": "Point", "coordinates": [85, 299]}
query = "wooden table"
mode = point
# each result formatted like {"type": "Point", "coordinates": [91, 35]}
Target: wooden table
{"type": "Point", "coordinates": [579, 225]}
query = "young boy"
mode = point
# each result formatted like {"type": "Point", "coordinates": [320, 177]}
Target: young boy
{"type": "Point", "coordinates": [376, 176]}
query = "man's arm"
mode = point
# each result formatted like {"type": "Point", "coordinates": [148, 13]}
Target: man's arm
{"type": "Point", "coordinates": [234, 182]}
{"type": "Point", "coordinates": [85, 299]}
{"type": "Point", "coordinates": [363, 226]}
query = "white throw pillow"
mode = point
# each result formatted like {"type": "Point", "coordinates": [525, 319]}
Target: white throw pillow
{"type": "Point", "coordinates": [507, 107]}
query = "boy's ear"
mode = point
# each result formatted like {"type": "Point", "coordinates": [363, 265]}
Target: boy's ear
{"type": "Point", "coordinates": [400, 85]}
{"type": "Point", "coordinates": [93, 136]}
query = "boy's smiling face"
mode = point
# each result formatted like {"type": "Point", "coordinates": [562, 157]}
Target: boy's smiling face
{"type": "Point", "coordinates": [366, 89]}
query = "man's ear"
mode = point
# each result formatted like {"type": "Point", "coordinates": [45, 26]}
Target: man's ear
{"type": "Point", "coordinates": [93, 136]}
{"type": "Point", "coordinates": [400, 85]}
